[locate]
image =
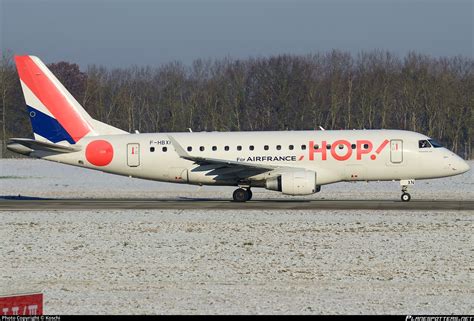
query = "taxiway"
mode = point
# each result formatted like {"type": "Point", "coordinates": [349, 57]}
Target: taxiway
{"type": "Point", "coordinates": [25, 203]}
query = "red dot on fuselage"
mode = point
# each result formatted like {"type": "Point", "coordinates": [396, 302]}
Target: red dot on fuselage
{"type": "Point", "coordinates": [99, 152]}
{"type": "Point", "coordinates": [373, 157]}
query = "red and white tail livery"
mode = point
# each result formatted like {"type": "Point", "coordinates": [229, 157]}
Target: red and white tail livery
{"type": "Point", "coordinates": [291, 162]}
{"type": "Point", "coordinates": [56, 116]}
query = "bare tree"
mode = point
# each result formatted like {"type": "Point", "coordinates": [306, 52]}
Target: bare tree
{"type": "Point", "coordinates": [374, 89]}
{"type": "Point", "coordinates": [6, 83]}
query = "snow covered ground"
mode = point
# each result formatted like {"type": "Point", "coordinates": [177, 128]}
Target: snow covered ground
{"type": "Point", "coordinates": [38, 178]}
{"type": "Point", "coordinates": [241, 262]}
{"type": "Point", "coordinates": [196, 261]}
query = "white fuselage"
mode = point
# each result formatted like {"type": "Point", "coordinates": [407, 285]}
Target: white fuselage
{"type": "Point", "coordinates": [354, 155]}
{"type": "Point", "coordinates": [292, 162]}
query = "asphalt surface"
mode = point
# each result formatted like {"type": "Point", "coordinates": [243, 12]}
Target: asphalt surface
{"type": "Point", "coordinates": [29, 204]}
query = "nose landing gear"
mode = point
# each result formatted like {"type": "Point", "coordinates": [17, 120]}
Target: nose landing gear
{"type": "Point", "coordinates": [406, 197]}
{"type": "Point", "coordinates": [242, 195]}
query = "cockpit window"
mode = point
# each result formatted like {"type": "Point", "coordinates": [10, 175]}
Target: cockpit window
{"type": "Point", "coordinates": [434, 143]}
{"type": "Point", "coordinates": [424, 144]}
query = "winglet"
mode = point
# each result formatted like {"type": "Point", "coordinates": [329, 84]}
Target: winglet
{"type": "Point", "coordinates": [220, 162]}
{"type": "Point", "coordinates": [179, 149]}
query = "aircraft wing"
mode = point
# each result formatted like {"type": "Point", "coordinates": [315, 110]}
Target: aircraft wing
{"type": "Point", "coordinates": [234, 166]}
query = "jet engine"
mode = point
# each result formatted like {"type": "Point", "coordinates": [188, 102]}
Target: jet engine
{"type": "Point", "coordinates": [294, 183]}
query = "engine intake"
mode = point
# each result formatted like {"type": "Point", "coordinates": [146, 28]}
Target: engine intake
{"type": "Point", "coordinates": [294, 183]}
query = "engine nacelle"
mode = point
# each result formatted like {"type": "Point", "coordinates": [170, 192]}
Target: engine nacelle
{"type": "Point", "coordinates": [294, 183]}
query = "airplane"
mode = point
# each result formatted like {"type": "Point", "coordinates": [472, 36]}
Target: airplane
{"type": "Point", "coordinates": [290, 162]}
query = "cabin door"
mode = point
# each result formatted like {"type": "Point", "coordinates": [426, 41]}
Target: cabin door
{"type": "Point", "coordinates": [133, 155]}
{"type": "Point", "coordinates": [396, 151]}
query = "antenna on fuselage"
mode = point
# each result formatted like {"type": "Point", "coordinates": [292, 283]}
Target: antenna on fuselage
{"type": "Point", "coordinates": [321, 127]}
{"type": "Point", "coordinates": [190, 130]}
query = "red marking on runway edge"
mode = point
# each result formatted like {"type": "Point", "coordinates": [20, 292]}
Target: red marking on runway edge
{"type": "Point", "coordinates": [22, 304]}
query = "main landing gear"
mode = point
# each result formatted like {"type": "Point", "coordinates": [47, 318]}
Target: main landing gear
{"type": "Point", "coordinates": [242, 195]}
{"type": "Point", "coordinates": [405, 183]}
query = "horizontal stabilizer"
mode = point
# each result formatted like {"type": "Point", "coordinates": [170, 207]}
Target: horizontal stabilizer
{"type": "Point", "coordinates": [25, 146]}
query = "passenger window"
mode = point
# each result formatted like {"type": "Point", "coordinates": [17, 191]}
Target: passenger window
{"type": "Point", "coordinates": [366, 146]}
{"type": "Point", "coordinates": [214, 148]}
{"type": "Point", "coordinates": [340, 146]}
{"type": "Point", "coordinates": [278, 147]}
{"type": "Point", "coordinates": [152, 149]}
{"type": "Point", "coordinates": [239, 147]}
{"type": "Point", "coordinates": [201, 148]}
{"type": "Point", "coordinates": [423, 144]}
{"type": "Point", "coordinates": [265, 147]}
{"type": "Point", "coordinates": [251, 147]}
{"type": "Point", "coordinates": [291, 147]}
{"type": "Point", "coordinates": [190, 149]}
{"type": "Point", "coordinates": [226, 148]}
{"type": "Point", "coordinates": [164, 149]}
{"type": "Point", "coordinates": [303, 147]}
{"type": "Point", "coordinates": [328, 146]}
{"type": "Point", "coordinates": [353, 146]}
{"type": "Point", "coordinates": [316, 146]}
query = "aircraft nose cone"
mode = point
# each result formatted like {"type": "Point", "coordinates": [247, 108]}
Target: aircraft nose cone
{"type": "Point", "coordinates": [457, 165]}
{"type": "Point", "coordinates": [464, 167]}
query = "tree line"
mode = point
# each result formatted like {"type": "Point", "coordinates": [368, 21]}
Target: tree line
{"type": "Point", "coordinates": [334, 90]}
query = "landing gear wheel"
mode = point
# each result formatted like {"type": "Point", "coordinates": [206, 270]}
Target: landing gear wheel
{"type": "Point", "coordinates": [241, 195]}
{"type": "Point", "coordinates": [406, 197]}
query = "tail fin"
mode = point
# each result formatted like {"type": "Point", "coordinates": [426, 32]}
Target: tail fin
{"type": "Point", "coordinates": [54, 113]}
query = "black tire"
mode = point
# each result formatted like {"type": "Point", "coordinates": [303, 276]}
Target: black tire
{"type": "Point", "coordinates": [240, 195]}
{"type": "Point", "coordinates": [249, 192]}
{"type": "Point", "coordinates": [406, 197]}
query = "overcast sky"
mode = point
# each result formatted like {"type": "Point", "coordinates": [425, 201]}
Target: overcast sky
{"type": "Point", "coordinates": [124, 33]}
